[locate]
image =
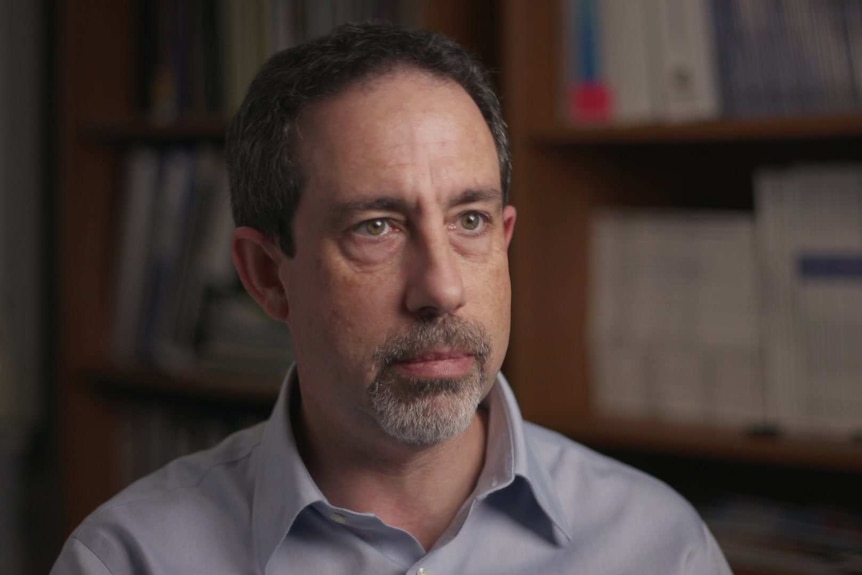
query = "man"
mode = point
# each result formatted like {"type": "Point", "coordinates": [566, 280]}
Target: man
{"type": "Point", "coordinates": [369, 178]}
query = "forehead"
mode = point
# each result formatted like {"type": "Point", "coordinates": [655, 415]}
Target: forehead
{"type": "Point", "coordinates": [403, 129]}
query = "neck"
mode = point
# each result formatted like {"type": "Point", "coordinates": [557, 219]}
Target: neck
{"type": "Point", "coordinates": [419, 490]}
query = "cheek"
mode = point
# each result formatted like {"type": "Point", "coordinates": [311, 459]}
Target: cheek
{"type": "Point", "coordinates": [502, 309]}
{"type": "Point", "coordinates": [355, 308]}
{"type": "Point", "coordinates": [491, 295]}
{"type": "Point", "coordinates": [501, 329]}
{"type": "Point", "coordinates": [494, 280]}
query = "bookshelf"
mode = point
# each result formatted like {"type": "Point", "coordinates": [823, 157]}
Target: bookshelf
{"type": "Point", "coordinates": [565, 172]}
{"type": "Point", "coordinates": [834, 127]}
{"type": "Point", "coordinates": [120, 133]}
{"type": "Point", "coordinates": [253, 391]}
{"type": "Point", "coordinates": [562, 173]}
{"type": "Point", "coordinates": [717, 442]}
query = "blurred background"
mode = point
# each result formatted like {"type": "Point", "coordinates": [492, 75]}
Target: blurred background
{"type": "Point", "coordinates": [687, 269]}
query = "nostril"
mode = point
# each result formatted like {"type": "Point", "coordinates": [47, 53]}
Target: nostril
{"type": "Point", "coordinates": [428, 313]}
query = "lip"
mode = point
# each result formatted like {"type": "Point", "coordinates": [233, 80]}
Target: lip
{"type": "Point", "coordinates": [438, 364]}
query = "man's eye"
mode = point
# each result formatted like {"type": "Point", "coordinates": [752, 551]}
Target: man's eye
{"type": "Point", "coordinates": [376, 227]}
{"type": "Point", "coordinates": [471, 221]}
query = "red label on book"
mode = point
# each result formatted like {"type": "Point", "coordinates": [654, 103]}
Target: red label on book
{"type": "Point", "coordinates": [590, 102]}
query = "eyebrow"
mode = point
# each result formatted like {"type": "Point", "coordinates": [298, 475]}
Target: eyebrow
{"type": "Point", "coordinates": [477, 195]}
{"type": "Point", "coordinates": [395, 204]}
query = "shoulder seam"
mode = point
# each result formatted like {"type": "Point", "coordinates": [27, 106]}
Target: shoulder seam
{"type": "Point", "coordinates": [189, 485]}
{"type": "Point", "coordinates": [93, 553]}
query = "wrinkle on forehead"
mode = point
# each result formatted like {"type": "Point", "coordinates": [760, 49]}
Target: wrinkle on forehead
{"type": "Point", "coordinates": [416, 131]}
{"type": "Point", "coordinates": [393, 203]}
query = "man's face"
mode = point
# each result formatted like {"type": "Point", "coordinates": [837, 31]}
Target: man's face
{"type": "Point", "coordinates": [399, 291]}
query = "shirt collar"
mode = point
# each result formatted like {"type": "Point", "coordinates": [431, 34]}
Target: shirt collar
{"type": "Point", "coordinates": [509, 456]}
{"type": "Point", "coordinates": [284, 487]}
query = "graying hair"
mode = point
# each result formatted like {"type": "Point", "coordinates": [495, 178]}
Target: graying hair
{"type": "Point", "coordinates": [266, 178]}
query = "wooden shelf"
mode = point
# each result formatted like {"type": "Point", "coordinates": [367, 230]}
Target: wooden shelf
{"type": "Point", "coordinates": [766, 129]}
{"type": "Point", "coordinates": [718, 442]}
{"type": "Point", "coordinates": [142, 130]}
{"type": "Point", "coordinates": [212, 386]}
{"type": "Point", "coordinates": [746, 571]}
{"type": "Point", "coordinates": [610, 433]}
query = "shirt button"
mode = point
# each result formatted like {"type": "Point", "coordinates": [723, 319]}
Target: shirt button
{"type": "Point", "coordinates": [338, 518]}
{"type": "Point", "coordinates": [423, 571]}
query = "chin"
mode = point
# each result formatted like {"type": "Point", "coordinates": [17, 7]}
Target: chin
{"type": "Point", "coordinates": [427, 412]}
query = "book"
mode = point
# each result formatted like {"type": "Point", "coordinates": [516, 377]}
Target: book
{"type": "Point", "coordinates": [853, 33]}
{"type": "Point", "coordinates": [628, 59]}
{"type": "Point", "coordinates": [587, 98]}
{"type": "Point", "coordinates": [198, 57]}
{"type": "Point", "coordinates": [179, 305]}
{"type": "Point", "coordinates": [686, 74]}
{"type": "Point", "coordinates": [692, 60]}
{"type": "Point", "coordinates": [175, 203]}
{"type": "Point", "coordinates": [809, 220]}
{"type": "Point", "coordinates": [175, 338]}
{"type": "Point", "coordinates": [237, 336]}
{"type": "Point", "coordinates": [141, 181]}
{"type": "Point", "coordinates": [673, 322]}
{"type": "Point", "coordinates": [617, 362]}
{"type": "Point", "coordinates": [777, 536]}
{"type": "Point", "coordinates": [832, 46]}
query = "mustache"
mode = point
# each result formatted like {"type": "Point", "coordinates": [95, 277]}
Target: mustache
{"type": "Point", "coordinates": [425, 337]}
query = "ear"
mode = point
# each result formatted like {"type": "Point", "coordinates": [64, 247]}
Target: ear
{"type": "Point", "coordinates": [510, 214]}
{"type": "Point", "coordinates": [258, 261]}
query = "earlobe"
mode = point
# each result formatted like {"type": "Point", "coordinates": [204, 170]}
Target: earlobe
{"type": "Point", "coordinates": [258, 260]}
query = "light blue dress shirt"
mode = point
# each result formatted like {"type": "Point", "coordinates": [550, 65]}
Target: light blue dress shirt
{"type": "Point", "coordinates": [543, 504]}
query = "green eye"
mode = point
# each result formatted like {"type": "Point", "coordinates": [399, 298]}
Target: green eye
{"type": "Point", "coordinates": [471, 221]}
{"type": "Point", "coordinates": [375, 227]}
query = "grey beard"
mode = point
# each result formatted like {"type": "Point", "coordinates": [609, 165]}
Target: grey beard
{"type": "Point", "coordinates": [423, 412]}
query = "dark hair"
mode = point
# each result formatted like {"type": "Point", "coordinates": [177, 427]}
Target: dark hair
{"type": "Point", "coordinates": [266, 179]}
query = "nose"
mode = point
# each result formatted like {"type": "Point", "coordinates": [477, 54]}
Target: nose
{"type": "Point", "coordinates": [435, 285]}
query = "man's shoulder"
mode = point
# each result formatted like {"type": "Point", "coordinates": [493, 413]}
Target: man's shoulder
{"type": "Point", "coordinates": [605, 487]}
{"type": "Point", "coordinates": [206, 471]}
{"type": "Point", "coordinates": [172, 507]}
{"type": "Point", "coordinates": [625, 515]}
